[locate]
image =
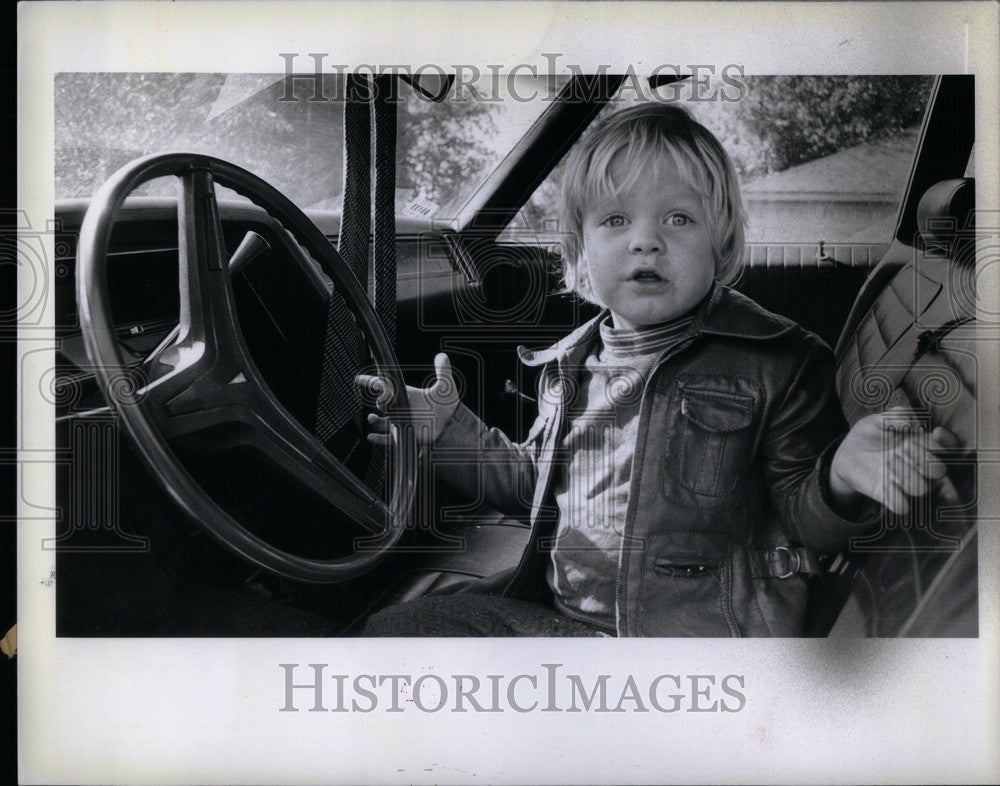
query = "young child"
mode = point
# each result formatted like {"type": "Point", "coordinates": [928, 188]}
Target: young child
{"type": "Point", "coordinates": [688, 463]}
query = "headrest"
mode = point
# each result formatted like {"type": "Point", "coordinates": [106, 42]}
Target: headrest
{"type": "Point", "coordinates": [945, 209]}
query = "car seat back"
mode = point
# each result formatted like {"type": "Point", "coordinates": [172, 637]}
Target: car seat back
{"type": "Point", "coordinates": [895, 354]}
{"type": "Point", "coordinates": [909, 342]}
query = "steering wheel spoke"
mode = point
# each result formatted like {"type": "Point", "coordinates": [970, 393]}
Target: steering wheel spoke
{"type": "Point", "coordinates": [211, 416]}
{"type": "Point", "coordinates": [300, 455]}
{"type": "Point", "coordinates": [207, 304]}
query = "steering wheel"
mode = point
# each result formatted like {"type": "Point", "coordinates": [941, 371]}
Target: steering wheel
{"type": "Point", "coordinates": [202, 377]}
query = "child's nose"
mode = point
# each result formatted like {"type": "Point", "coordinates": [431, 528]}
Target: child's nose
{"type": "Point", "coordinates": [645, 242]}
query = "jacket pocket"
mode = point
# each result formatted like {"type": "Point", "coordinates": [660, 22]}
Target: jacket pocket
{"type": "Point", "coordinates": [685, 589]}
{"type": "Point", "coordinates": [710, 441]}
{"type": "Point", "coordinates": [673, 568]}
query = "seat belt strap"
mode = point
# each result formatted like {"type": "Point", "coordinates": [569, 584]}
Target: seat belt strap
{"type": "Point", "coordinates": [356, 210]}
{"type": "Point", "coordinates": [384, 244]}
{"type": "Point", "coordinates": [339, 401]}
{"type": "Point", "coordinates": [384, 260]}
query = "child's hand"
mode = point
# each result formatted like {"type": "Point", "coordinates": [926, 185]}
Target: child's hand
{"type": "Point", "coordinates": [431, 406]}
{"type": "Point", "coordinates": [884, 460]}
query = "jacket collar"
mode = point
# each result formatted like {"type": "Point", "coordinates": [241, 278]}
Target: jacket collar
{"type": "Point", "coordinates": [723, 312]}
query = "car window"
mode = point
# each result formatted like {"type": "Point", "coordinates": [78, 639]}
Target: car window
{"type": "Point", "coordinates": [819, 157]}
{"type": "Point", "coordinates": [288, 133]}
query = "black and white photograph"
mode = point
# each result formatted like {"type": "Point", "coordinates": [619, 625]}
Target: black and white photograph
{"type": "Point", "coordinates": [363, 372]}
{"type": "Point", "coordinates": [670, 467]}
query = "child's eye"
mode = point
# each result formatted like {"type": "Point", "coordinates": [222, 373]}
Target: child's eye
{"type": "Point", "coordinates": [678, 220]}
{"type": "Point", "coordinates": [614, 221]}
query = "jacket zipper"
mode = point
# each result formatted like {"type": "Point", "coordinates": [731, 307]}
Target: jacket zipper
{"type": "Point", "coordinates": [630, 511]}
{"type": "Point", "coordinates": [560, 427]}
{"type": "Point", "coordinates": [620, 617]}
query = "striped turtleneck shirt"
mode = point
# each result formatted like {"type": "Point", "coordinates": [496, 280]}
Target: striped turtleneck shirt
{"type": "Point", "coordinates": [592, 487]}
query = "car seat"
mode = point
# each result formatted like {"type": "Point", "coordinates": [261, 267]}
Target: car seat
{"type": "Point", "coordinates": [909, 341]}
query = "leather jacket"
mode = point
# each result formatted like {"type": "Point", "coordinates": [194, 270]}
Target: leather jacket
{"type": "Point", "coordinates": [728, 502]}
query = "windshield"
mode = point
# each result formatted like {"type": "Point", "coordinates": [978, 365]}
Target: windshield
{"type": "Point", "coordinates": [287, 132]}
{"type": "Point", "coordinates": [818, 157]}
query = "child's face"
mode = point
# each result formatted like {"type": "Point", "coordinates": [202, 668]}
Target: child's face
{"type": "Point", "coordinates": [648, 252]}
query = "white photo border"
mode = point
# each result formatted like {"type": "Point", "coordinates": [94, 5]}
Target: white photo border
{"type": "Point", "coordinates": [207, 710]}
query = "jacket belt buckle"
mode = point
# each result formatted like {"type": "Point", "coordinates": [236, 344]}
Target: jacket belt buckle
{"type": "Point", "coordinates": [796, 562]}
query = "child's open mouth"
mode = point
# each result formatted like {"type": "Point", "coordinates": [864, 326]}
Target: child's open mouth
{"type": "Point", "coordinates": [646, 277]}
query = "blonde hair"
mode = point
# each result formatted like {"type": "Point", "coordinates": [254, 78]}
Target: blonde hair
{"type": "Point", "coordinates": [635, 139]}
